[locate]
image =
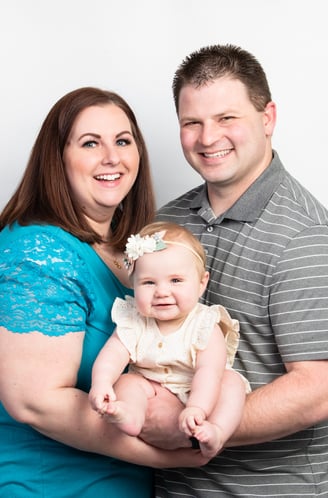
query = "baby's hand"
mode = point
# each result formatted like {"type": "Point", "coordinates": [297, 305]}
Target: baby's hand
{"type": "Point", "coordinates": [189, 418]}
{"type": "Point", "coordinates": [100, 400]}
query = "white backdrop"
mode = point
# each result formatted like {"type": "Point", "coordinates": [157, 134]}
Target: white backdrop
{"type": "Point", "coordinates": [50, 47]}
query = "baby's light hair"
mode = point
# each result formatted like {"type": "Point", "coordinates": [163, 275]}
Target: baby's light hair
{"type": "Point", "coordinates": [179, 235]}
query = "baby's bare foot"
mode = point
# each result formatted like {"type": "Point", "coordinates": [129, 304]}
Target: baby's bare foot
{"type": "Point", "coordinates": [210, 438]}
{"type": "Point", "coordinates": [119, 412]}
{"type": "Point", "coordinates": [115, 412]}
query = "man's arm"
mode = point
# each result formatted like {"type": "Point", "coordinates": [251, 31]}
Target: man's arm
{"type": "Point", "coordinates": [291, 403]}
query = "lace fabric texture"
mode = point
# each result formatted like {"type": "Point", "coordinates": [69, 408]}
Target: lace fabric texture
{"type": "Point", "coordinates": [42, 285]}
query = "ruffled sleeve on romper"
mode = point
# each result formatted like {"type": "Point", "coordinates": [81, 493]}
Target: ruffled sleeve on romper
{"type": "Point", "coordinates": [217, 314]}
{"type": "Point", "coordinates": [128, 324]}
{"type": "Point", "coordinates": [204, 318]}
{"type": "Point", "coordinates": [230, 329]}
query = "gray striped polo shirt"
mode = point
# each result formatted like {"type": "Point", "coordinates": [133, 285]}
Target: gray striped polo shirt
{"type": "Point", "coordinates": [268, 260]}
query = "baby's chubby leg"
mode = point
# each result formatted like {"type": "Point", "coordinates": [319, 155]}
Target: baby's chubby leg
{"type": "Point", "coordinates": [128, 411]}
{"type": "Point", "coordinates": [226, 416]}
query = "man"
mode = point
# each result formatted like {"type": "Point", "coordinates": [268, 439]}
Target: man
{"type": "Point", "coordinates": [267, 244]}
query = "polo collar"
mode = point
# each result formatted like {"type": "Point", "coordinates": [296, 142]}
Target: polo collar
{"type": "Point", "coordinates": [249, 206]}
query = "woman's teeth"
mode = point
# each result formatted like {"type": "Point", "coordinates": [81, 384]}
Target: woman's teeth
{"type": "Point", "coordinates": [108, 177]}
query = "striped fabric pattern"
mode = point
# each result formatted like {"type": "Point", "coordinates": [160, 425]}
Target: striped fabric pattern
{"type": "Point", "coordinates": [268, 259]}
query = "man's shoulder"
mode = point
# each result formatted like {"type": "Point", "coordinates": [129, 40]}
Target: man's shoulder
{"type": "Point", "coordinates": [181, 203]}
{"type": "Point", "coordinates": [298, 198]}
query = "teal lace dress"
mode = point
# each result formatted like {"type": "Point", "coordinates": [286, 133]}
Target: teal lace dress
{"type": "Point", "coordinates": [53, 283]}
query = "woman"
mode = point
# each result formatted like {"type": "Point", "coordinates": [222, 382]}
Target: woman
{"type": "Point", "coordinates": [86, 187]}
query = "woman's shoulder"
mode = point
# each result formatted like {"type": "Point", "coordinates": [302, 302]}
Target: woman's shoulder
{"type": "Point", "coordinates": [43, 275]}
{"type": "Point", "coordinates": [37, 241]}
{"type": "Point", "coordinates": [35, 232]}
{"type": "Point", "coordinates": [40, 251]}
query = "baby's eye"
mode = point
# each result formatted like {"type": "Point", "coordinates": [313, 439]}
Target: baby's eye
{"type": "Point", "coordinates": [148, 282]}
{"type": "Point", "coordinates": [176, 280]}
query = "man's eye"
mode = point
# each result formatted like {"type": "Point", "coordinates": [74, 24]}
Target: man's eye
{"type": "Point", "coordinates": [191, 123]}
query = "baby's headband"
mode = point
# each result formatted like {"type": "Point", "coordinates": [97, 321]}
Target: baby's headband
{"type": "Point", "coordinates": [137, 246]}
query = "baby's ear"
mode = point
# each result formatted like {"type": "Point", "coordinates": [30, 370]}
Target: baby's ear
{"type": "Point", "coordinates": [204, 282]}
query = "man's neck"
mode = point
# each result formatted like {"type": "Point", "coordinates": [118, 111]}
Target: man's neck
{"type": "Point", "coordinates": [222, 196]}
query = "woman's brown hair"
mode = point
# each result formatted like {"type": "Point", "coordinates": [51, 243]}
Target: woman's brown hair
{"type": "Point", "coordinates": [43, 195]}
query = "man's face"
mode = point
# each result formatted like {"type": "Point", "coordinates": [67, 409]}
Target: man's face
{"type": "Point", "coordinates": [224, 138]}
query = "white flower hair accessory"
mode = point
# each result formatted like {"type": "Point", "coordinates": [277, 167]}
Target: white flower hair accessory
{"type": "Point", "coordinates": [137, 246]}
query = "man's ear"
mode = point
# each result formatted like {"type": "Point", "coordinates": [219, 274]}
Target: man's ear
{"type": "Point", "coordinates": [269, 118]}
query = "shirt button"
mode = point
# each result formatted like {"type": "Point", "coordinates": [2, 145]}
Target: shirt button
{"type": "Point", "coordinates": [210, 229]}
{"type": "Point", "coordinates": [160, 345]}
{"type": "Point", "coordinates": [166, 370]}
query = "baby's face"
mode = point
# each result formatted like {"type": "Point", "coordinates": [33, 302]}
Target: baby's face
{"type": "Point", "coordinates": [167, 283]}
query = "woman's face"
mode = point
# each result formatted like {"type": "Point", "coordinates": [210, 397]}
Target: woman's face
{"type": "Point", "coordinates": [102, 162]}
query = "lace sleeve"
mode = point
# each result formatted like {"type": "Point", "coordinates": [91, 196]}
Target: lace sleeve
{"type": "Point", "coordinates": [43, 286]}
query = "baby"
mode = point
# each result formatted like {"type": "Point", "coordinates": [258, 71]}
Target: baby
{"type": "Point", "coordinates": [165, 335]}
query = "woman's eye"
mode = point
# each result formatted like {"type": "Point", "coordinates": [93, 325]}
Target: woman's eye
{"type": "Point", "coordinates": [123, 141]}
{"type": "Point", "coordinates": [90, 144]}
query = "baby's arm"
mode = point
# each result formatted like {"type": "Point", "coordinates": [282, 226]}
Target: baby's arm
{"type": "Point", "coordinates": [205, 386]}
{"type": "Point", "coordinates": [108, 366]}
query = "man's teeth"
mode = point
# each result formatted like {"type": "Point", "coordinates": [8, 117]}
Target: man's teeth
{"type": "Point", "coordinates": [108, 177]}
{"type": "Point", "coordinates": [221, 153]}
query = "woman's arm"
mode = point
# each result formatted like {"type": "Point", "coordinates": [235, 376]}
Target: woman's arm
{"type": "Point", "coordinates": [37, 379]}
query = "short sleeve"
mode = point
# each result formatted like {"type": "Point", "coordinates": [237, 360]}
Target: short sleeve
{"type": "Point", "coordinates": [299, 297]}
{"type": "Point", "coordinates": [41, 288]}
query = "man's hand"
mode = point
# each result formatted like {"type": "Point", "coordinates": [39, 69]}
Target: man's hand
{"type": "Point", "coordinates": [161, 428]}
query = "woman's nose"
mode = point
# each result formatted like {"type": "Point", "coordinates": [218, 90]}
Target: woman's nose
{"type": "Point", "coordinates": [110, 155]}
